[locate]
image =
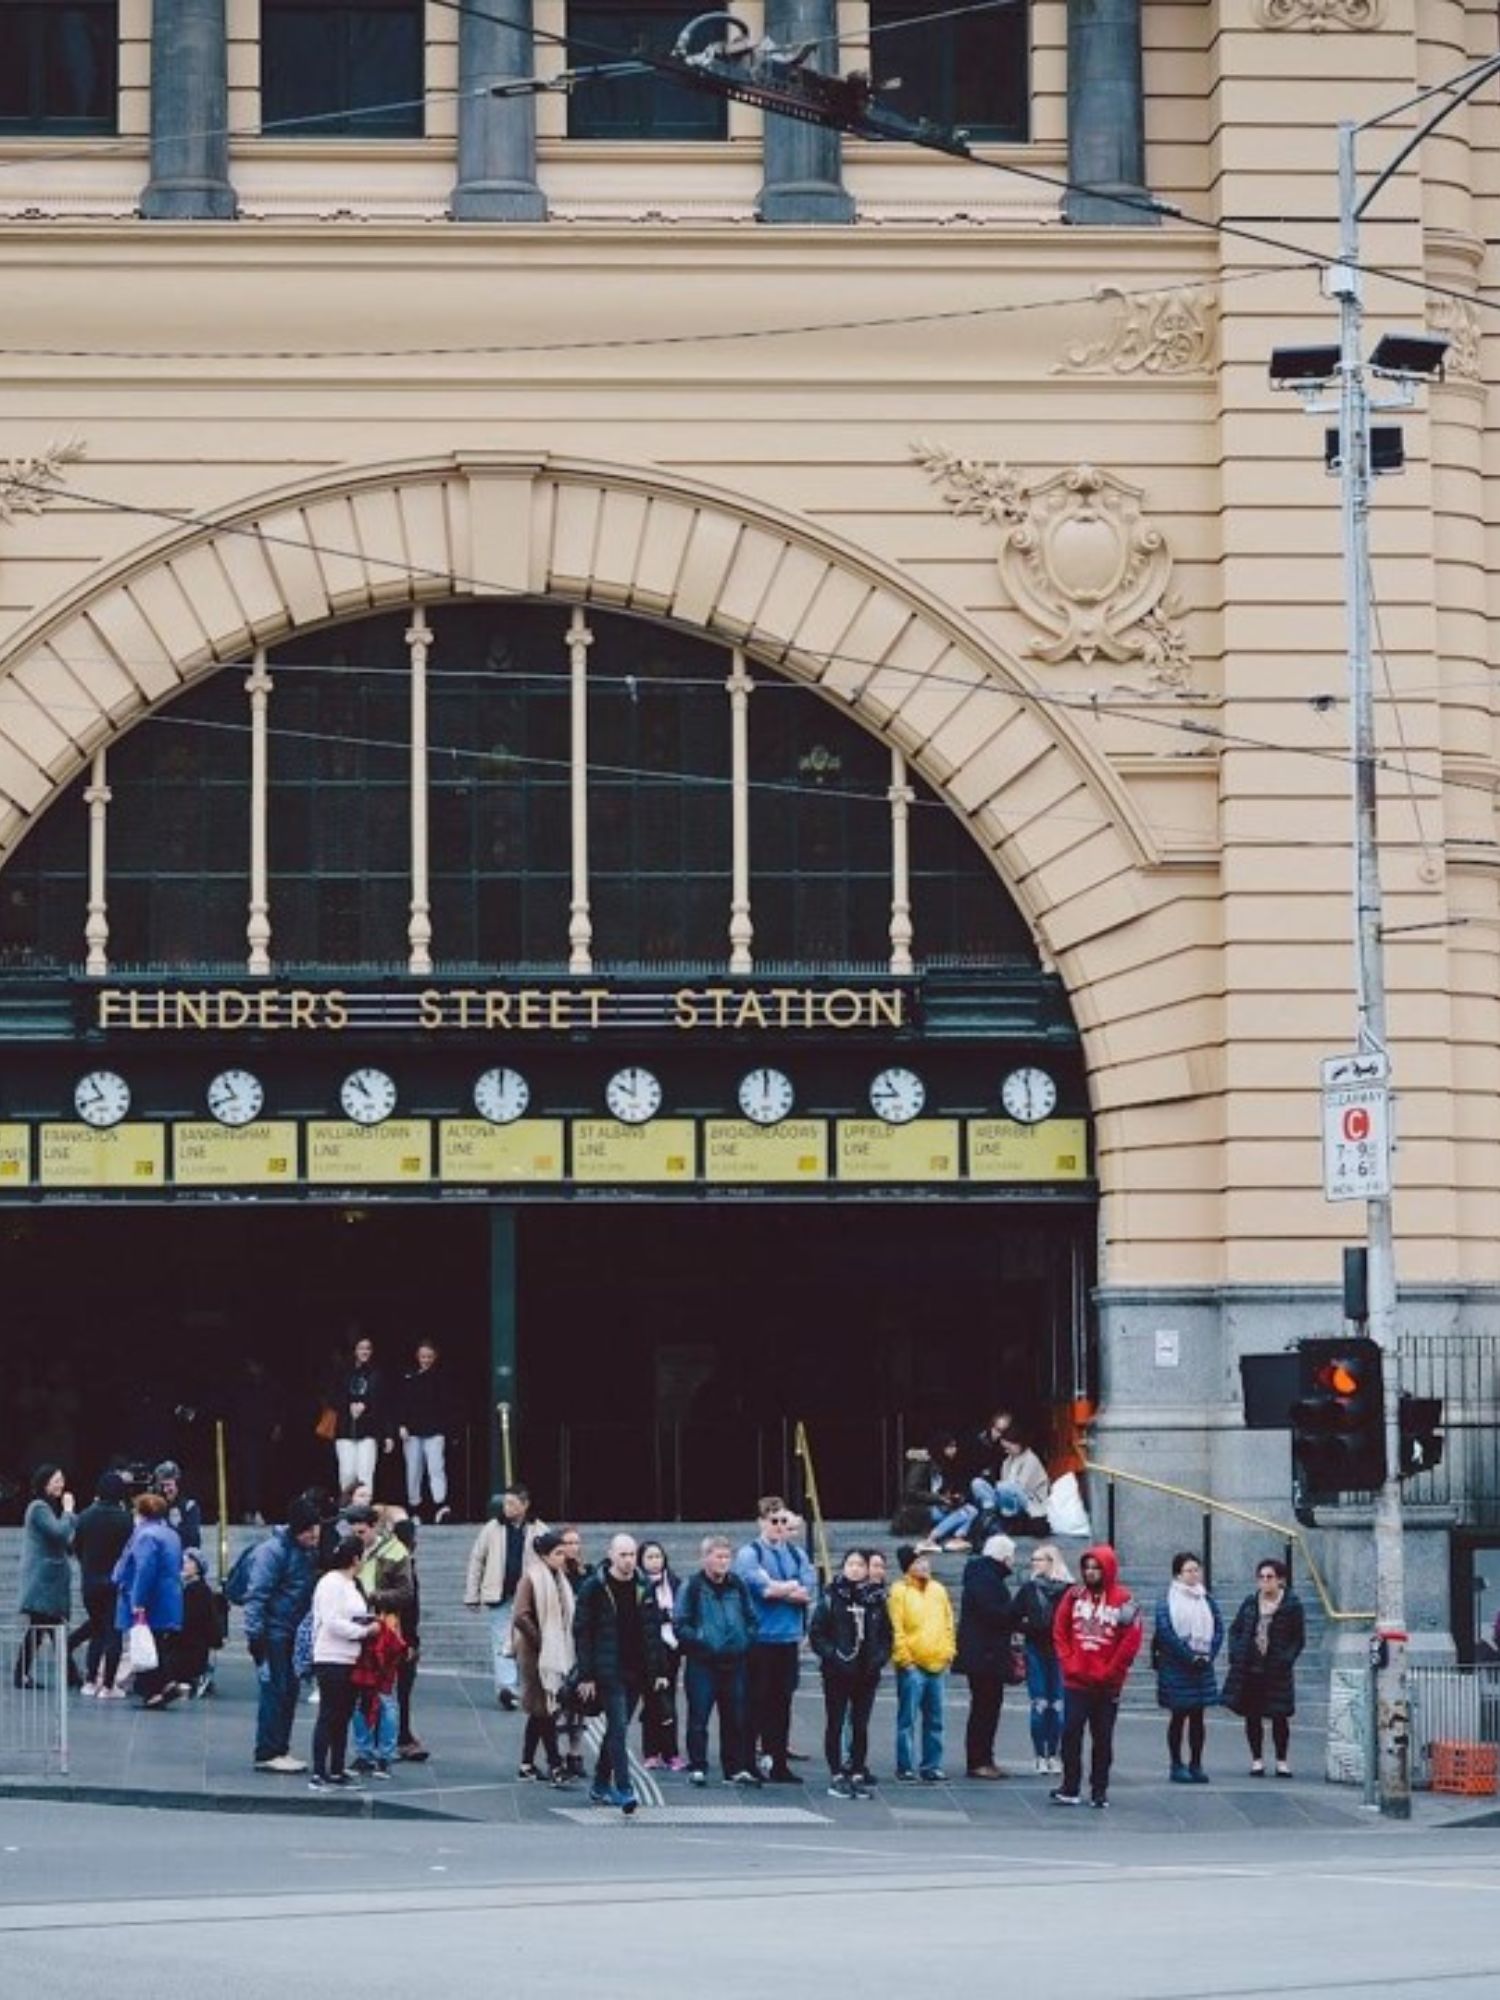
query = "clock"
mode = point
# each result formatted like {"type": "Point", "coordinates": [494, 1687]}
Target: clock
{"type": "Point", "coordinates": [235, 1097]}
{"type": "Point", "coordinates": [101, 1098]}
{"type": "Point", "coordinates": [1029, 1095]}
{"type": "Point", "coordinates": [368, 1096]}
{"type": "Point", "coordinates": [897, 1095]}
{"type": "Point", "coordinates": [633, 1095]}
{"type": "Point", "coordinates": [766, 1095]}
{"type": "Point", "coordinates": [501, 1095]}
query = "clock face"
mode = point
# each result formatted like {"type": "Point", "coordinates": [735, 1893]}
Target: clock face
{"type": "Point", "coordinates": [897, 1095]}
{"type": "Point", "coordinates": [1029, 1095]}
{"type": "Point", "coordinates": [368, 1096]}
{"type": "Point", "coordinates": [633, 1095]}
{"type": "Point", "coordinates": [766, 1096]}
{"type": "Point", "coordinates": [101, 1098]}
{"type": "Point", "coordinates": [501, 1095]}
{"type": "Point", "coordinates": [235, 1097]}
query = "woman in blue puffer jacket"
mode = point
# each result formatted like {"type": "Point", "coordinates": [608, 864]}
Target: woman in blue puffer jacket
{"type": "Point", "coordinates": [148, 1579]}
{"type": "Point", "coordinates": [1189, 1633]}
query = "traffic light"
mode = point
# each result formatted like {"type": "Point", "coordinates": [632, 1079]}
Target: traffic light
{"type": "Point", "coordinates": [1338, 1420]}
{"type": "Point", "coordinates": [1421, 1434]}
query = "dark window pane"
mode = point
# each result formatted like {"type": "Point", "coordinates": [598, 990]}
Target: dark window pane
{"type": "Point", "coordinates": [634, 107]}
{"type": "Point", "coordinates": [342, 71]}
{"type": "Point", "coordinates": [58, 65]}
{"type": "Point", "coordinates": [968, 71]}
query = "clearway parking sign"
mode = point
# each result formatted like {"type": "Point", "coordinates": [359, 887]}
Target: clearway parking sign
{"type": "Point", "coordinates": [1356, 1128]}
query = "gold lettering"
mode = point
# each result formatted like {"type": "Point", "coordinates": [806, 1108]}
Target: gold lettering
{"type": "Point", "coordinates": [842, 995]}
{"type": "Point", "coordinates": [559, 1008]}
{"type": "Point", "coordinates": [888, 1008]}
{"type": "Point", "coordinates": [302, 1008]}
{"type": "Point", "coordinates": [784, 996]}
{"type": "Point", "coordinates": [685, 1008]}
{"type": "Point", "coordinates": [751, 1013]}
{"type": "Point", "coordinates": [719, 995]}
{"type": "Point", "coordinates": [531, 1007]}
{"type": "Point", "coordinates": [497, 1010]}
{"type": "Point", "coordinates": [335, 1009]}
{"type": "Point", "coordinates": [111, 1000]}
{"type": "Point", "coordinates": [463, 996]}
{"type": "Point", "coordinates": [429, 1008]}
{"type": "Point", "coordinates": [268, 1009]}
{"type": "Point", "coordinates": [596, 997]}
{"type": "Point", "coordinates": [192, 1010]}
{"type": "Point", "coordinates": [233, 1019]}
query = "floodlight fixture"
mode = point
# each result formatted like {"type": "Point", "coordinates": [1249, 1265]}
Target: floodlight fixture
{"type": "Point", "coordinates": [1304, 367]}
{"type": "Point", "coordinates": [1410, 357]}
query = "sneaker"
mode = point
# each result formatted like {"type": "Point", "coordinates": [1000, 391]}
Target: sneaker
{"type": "Point", "coordinates": [285, 1766]}
{"type": "Point", "coordinates": [507, 1700]}
{"type": "Point", "coordinates": [934, 1777]}
{"type": "Point", "coordinates": [985, 1771]}
{"type": "Point", "coordinates": [865, 1778]}
{"type": "Point", "coordinates": [413, 1752]}
{"type": "Point", "coordinates": [317, 1784]}
{"type": "Point", "coordinates": [342, 1781]}
{"type": "Point", "coordinates": [957, 1547]}
{"type": "Point", "coordinates": [784, 1776]}
{"type": "Point", "coordinates": [1054, 1765]}
{"type": "Point", "coordinates": [443, 1515]}
{"type": "Point", "coordinates": [677, 1763]}
{"type": "Point", "coordinates": [906, 1777]}
{"type": "Point", "coordinates": [111, 1694]}
{"type": "Point", "coordinates": [526, 1771]}
{"type": "Point", "coordinates": [1043, 1765]}
{"type": "Point", "coordinates": [859, 1789]}
{"type": "Point", "coordinates": [363, 1765]}
{"type": "Point", "coordinates": [89, 1688]}
{"type": "Point", "coordinates": [1257, 1769]}
{"type": "Point", "coordinates": [763, 1765]}
{"type": "Point", "coordinates": [560, 1779]}
{"type": "Point", "coordinates": [1197, 1775]}
{"type": "Point", "coordinates": [602, 1795]}
{"type": "Point", "coordinates": [1283, 1770]}
{"type": "Point", "coordinates": [1180, 1775]}
{"type": "Point", "coordinates": [749, 1781]}
{"type": "Point", "coordinates": [700, 1778]}
{"type": "Point", "coordinates": [381, 1770]}
{"type": "Point", "coordinates": [655, 1764]}
{"type": "Point", "coordinates": [841, 1788]}
{"type": "Point", "coordinates": [1100, 1805]}
{"type": "Point", "coordinates": [1060, 1798]}
{"type": "Point", "coordinates": [627, 1802]}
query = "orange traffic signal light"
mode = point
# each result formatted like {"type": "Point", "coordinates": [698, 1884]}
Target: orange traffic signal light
{"type": "Point", "coordinates": [1338, 1421]}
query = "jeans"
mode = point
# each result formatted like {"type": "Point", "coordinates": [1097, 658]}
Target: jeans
{"type": "Point", "coordinates": [773, 1682]}
{"type": "Point", "coordinates": [335, 1711]}
{"type": "Point", "coordinates": [1093, 1709]}
{"type": "Point", "coordinates": [277, 1706]}
{"type": "Point", "coordinates": [1000, 1497]}
{"type": "Point", "coordinates": [846, 1701]}
{"type": "Point", "coordinates": [502, 1660]}
{"type": "Point", "coordinates": [1044, 1685]}
{"type": "Point", "coordinates": [429, 1454]}
{"type": "Point", "coordinates": [986, 1698]}
{"type": "Point", "coordinates": [620, 1700]}
{"type": "Point", "coordinates": [919, 1692]}
{"type": "Point", "coordinates": [727, 1684]}
{"type": "Point", "coordinates": [957, 1522]}
{"type": "Point", "coordinates": [375, 1741]}
{"type": "Point", "coordinates": [356, 1457]}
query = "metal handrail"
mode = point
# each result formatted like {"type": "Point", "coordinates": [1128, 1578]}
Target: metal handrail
{"type": "Point", "coordinates": [1212, 1506]}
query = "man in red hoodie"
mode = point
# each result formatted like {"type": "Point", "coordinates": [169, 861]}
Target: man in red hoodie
{"type": "Point", "coordinates": [1097, 1629]}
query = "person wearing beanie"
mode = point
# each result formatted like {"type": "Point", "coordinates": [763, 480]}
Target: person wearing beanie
{"type": "Point", "coordinates": [98, 1543]}
{"type": "Point", "coordinates": [501, 1551]}
{"type": "Point", "coordinates": [184, 1516]}
{"type": "Point", "coordinates": [278, 1596]}
{"type": "Point", "coordinates": [987, 1655]}
{"type": "Point", "coordinates": [922, 1649]}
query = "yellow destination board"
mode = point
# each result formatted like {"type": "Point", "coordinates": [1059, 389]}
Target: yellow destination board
{"type": "Point", "coordinates": [924, 1150]}
{"type": "Point", "coordinates": [1055, 1150]}
{"type": "Point", "coordinates": [471, 1149]}
{"type": "Point", "coordinates": [126, 1156]}
{"type": "Point", "coordinates": [757, 1155]}
{"type": "Point", "coordinates": [664, 1150]}
{"type": "Point", "coordinates": [212, 1155]}
{"type": "Point", "coordinates": [399, 1151]}
{"type": "Point", "coordinates": [15, 1156]}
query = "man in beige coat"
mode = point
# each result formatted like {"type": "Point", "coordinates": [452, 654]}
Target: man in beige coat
{"type": "Point", "coordinates": [501, 1550]}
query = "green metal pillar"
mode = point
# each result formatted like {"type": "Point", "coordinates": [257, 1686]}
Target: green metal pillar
{"type": "Point", "coordinates": [503, 1411]}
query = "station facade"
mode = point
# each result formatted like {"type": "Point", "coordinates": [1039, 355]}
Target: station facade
{"type": "Point", "coordinates": [813, 668]}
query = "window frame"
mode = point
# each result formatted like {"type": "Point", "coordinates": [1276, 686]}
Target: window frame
{"type": "Point", "coordinates": [645, 130]}
{"type": "Point", "coordinates": [36, 122]}
{"type": "Point", "coordinates": [342, 123]}
{"type": "Point", "coordinates": [946, 38]}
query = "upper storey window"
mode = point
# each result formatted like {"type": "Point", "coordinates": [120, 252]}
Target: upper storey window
{"type": "Point", "coordinates": [969, 70]}
{"type": "Point", "coordinates": [634, 107]}
{"type": "Point", "coordinates": [349, 72]}
{"type": "Point", "coordinates": [58, 66]}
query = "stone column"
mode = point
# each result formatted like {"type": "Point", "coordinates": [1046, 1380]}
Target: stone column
{"type": "Point", "coordinates": [419, 927]}
{"type": "Point", "coordinates": [1106, 113]}
{"type": "Point", "coordinates": [741, 928]}
{"type": "Point", "coordinates": [189, 114]}
{"type": "Point", "coordinates": [803, 174]}
{"type": "Point", "coordinates": [901, 797]}
{"type": "Point", "coordinates": [258, 928]}
{"type": "Point", "coordinates": [96, 929]}
{"type": "Point", "coordinates": [580, 922]}
{"type": "Point", "coordinates": [496, 135]}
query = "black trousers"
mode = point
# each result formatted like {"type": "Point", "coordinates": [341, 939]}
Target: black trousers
{"type": "Point", "coordinates": [986, 1699]}
{"type": "Point", "coordinates": [1190, 1719]}
{"type": "Point", "coordinates": [773, 1682]}
{"type": "Point", "coordinates": [1093, 1709]}
{"type": "Point", "coordinates": [540, 1733]}
{"type": "Point", "coordinates": [851, 1702]}
{"type": "Point", "coordinates": [659, 1714]}
{"type": "Point", "coordinates": [336, 1693]}
{"type": "Point", "coordinates": [1255, 1734]}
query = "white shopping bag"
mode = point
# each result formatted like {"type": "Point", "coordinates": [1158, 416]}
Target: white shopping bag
{"type": "Point", "coordinates": [141, 1648]}
{"type": "Point", "coordinates": [1066, 1513]}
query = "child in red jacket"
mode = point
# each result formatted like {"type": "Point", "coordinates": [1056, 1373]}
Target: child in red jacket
{"type": "Point", "coordinates": [376, 1710]}
{"type": "Point", "coordinates": [1097, 1630]}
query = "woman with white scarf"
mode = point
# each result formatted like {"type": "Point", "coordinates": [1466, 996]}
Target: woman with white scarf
{"type": "Point", "coordinates": [542, 1634]}
{"type": "Point", "coordinates": [1189, 1633]}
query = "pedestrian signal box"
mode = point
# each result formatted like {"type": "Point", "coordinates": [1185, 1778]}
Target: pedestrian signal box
{"type": "Point", "coordinates": [1338, 1421]}
{"type": "Point", "coordinates": [1421, 1434]}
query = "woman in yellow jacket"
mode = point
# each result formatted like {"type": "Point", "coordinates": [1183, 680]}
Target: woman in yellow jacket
{"type": "Point", "coordinates": [924, 1644]}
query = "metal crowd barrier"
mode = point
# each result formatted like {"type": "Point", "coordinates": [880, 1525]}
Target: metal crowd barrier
{"type": "Point", "coordinates": [33, 1715]}
{"type": "Point", "coordinates": [1454, 1710]}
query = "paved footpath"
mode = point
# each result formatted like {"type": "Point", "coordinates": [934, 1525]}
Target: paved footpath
{"type": "Point", "coordinates": [197, 1756]}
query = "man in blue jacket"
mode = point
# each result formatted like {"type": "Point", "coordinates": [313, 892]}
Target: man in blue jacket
{"type": "Point", "coordinates": [283, 1571]}
{"type": "Point", "coordinates": [715, 1624]}
{"type": "Point", "coordinates": [782, 1582]}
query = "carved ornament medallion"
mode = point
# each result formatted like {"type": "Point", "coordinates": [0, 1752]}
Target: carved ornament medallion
{"type": "Point", "coordinates": [1080, 562]}
{"type": "Point", "coordinates": [1320, 14]}
{"type": "Point", "coordinates": [28, 485]}
{"type": "Point", "coordinates": [1154, 333]}
{"type": "Point", "coordinates": [1458, 319]}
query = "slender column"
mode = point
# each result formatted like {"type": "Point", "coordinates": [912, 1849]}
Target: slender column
{"type": "Point", "coordinates": [503, 1346]}
{"type": "Point", "coordinates": [189, 114]}
{"type": "Point", "coordinates": [419, 930]}
{"type": "Point", "coordinates": [580, 924]}
{"type": "Point", "coordinates": [96, 927]}
{"type": "Point", "coordinates": [900, 796]}
{"type": "Point", "coordinates": [741, 929]}
{"type": "Point", "coordinates": [258, 929]}
{"type": "Point", "coordinates": [1106, 114]}
{"type": "Point", "coordinates": [496, 135]}
{"type": "Point", "coordinates": [804, 163]}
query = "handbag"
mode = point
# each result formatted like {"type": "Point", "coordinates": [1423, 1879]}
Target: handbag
{"type": "Point", "coordinates": [1015, 1661]}
{"type": "Point", "coordinates": [327, 1426]}
{"type": "Point", "coordinates": [141, 1647]}
{"type": "Point", "coordinates": [569, 1698]}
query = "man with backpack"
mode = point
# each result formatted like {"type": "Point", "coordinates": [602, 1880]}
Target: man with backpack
{"type": "Point", "coordinates": [274, 1583]}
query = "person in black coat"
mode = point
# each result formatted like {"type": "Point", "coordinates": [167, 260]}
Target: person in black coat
{"type": "Point", "coordinates": [987, 1621]}
{"type": "Point", "coordinates": [360, 1401]}
{"type": "Point", "coordinates": [98, 1543]}
{"type": "Point", "coordinates": [617, 1640]}
{"type": "Point", "coordinates": [851, 1635]}
{"type": "Point", "coordinates": [1268, 1633]}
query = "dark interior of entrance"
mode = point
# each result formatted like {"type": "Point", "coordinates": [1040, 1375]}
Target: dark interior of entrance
{"type": "Point", "coordinates": [665, 1351]}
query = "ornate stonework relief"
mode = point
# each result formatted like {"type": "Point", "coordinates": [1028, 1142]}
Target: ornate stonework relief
{"type": "Point", "coordinates": [27, 485]}
{"type": "Point", "coordinates": [1153, 333]}
{"type": "Point", "coordinates": [1320, 14]}
{"type": "Point", "coordinates": [1079, 560]}
{"type": "Point", "coordinates": [1459, 320]}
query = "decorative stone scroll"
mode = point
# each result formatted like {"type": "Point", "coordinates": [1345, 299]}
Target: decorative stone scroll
{"type": "Point", "coordinates": [27, 484]}
{"type": "Point", "coordinates": [1458, 321]}
{"type": "Point", "coordinates": [1320, 14]}
{"type": "Point", "coordinates": [1079, 561]}
{"type": "Point", "coordinates": [1154, 333]}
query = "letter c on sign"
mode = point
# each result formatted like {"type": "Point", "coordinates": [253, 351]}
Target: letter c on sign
{"type": "Point", "coordinates": [1356, 1124]}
